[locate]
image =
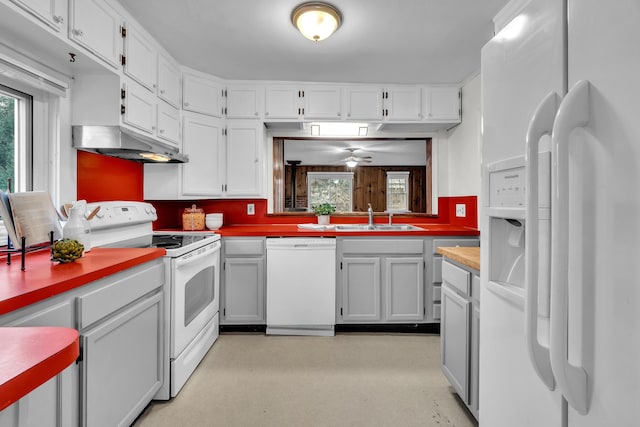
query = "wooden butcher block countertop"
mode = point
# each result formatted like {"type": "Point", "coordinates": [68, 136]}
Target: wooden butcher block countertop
{"type": "Point", "coordinates": [468, 256]}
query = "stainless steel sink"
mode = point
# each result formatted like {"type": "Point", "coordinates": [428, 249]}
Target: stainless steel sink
{"type": "Point", "coordinates": [377, 227]}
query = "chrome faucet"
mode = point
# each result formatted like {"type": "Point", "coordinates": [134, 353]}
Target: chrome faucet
{"type": "Point", "coordinates": [370, 212]}
{"type": "Point", "coordinates": [390, 218]}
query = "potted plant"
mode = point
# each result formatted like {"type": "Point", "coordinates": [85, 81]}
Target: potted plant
{"type": "Point", "coordinates": [323, 212]}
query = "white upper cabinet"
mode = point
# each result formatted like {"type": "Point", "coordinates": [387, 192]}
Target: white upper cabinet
{"type": "Point", "coordinates": [96, 26]}
{"type": "Point", "coordinates": [139, 107]}
{"type": "Point", "coordinates": [442, 103]}
{"type": "Point", "coordinates": [169, 83]}
{"type": "Point", "coordinates": [402, 103]}
{"type": "Point", "coordinates": [168, 128]}
{"type": "Point", "coordinates": [203, 142]}
{"type": "Point", "coordinates": [363, 103]}
{"type": "Point", "coordinates": [202, 94]}
{"type": "Point", "coordinates": [140, 53]}
{"type": "Point", "coordinates": [245, 139]}
{"type": "Point", "coordinates": [54, 13]}
{"type": "Point", "coordinates": [283, 102]}
{"type": "Point", "coordinates": [322, 103]}
{"type": "Point", "coordinates": [244, 102]}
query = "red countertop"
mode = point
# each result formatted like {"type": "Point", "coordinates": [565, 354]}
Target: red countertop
{"type": "Point", "coordinates": [43, 278]}
{"type": "Point", "coordinates": [29, 357]}
{"type": "Point", "coordinates": [292, 230]}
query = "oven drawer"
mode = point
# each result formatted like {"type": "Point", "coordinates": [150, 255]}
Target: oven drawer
{"type": "Point", "coordinates": [126, 287]}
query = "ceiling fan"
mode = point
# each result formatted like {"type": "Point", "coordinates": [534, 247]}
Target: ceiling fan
{"type": "Point", "coordinates": [352, 160]}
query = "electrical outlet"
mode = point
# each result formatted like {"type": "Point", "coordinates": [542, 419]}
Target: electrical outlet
{"type": "Point", "coordinates": [251, 209]}
{"type": "Point", "coordinates": [461, 210]}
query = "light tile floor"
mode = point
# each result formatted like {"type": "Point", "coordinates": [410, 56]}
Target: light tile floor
{"type": "Point", "coordinates": [347, 380]}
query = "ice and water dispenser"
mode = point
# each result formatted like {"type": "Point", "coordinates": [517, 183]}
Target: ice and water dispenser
{"type": "Point", "coordinates": [508, 231]}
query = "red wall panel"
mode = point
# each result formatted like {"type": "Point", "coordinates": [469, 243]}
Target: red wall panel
{"type": "Point", "coordinates": [102, 178]}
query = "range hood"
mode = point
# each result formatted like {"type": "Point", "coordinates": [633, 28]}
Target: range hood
{"type": "Point", "coordinates": [119, 142]}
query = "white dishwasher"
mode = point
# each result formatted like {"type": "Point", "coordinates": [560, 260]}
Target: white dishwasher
{"type": "Point", "coordinates": [301, 286]}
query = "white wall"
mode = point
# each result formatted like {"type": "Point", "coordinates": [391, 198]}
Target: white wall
{"type": "Point", "coordinates": [459, 149]}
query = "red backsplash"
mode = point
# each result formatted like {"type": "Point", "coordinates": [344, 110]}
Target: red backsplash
{"type": "Point", "coordinates": [471, 207]}
{"type": "Point", "coordinates": [103, 178]}
{"type": "Point", "coordinates": [235, 212]}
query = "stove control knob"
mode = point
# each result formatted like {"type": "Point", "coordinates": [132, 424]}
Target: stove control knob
{"type": "Point", "coordinates": [153, 210]}
{"type": "Point", "coordinates": [147, 209]}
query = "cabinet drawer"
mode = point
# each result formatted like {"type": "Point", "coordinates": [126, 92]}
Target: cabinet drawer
{"type": "Point", "coordinates": [475, 287]}
{"type": "Point", "coordinates": [456, 277]}
{"type": "Point", "coordinates": [436, 311]}
{"type": "Point", "coordinates": [437, 293]}
{"type": "Point", "coordinates": [437, 269]}
{"type": "Point", "coordinates": [126, 288]}
{"type": "Point", "coordinates": [382, 246]}
{"type": "Point", "coordinates": [244, 247]}
{"type": "Point", "coordinates": [445, 243]}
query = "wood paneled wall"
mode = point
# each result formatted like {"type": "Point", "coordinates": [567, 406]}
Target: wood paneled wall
{"type": "Point", "coordinates": [369, 185]}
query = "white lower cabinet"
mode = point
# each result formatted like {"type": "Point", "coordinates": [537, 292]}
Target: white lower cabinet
{"type": "Point", "coordinates": [459, 330]}
{"type": "Point", "coordinates": [360, 281]}
{"type": "Point", "coordinates": [122, 367]}
{"type": "Point", "coordinates": [434, 262]}
{"type": "Point", "coordinates": [243, 281]}
{"type": "Point", "coordinates": [122, 351]}
{"type": "Point", "coordinates": [121, 324]}
{"type": "Point", "coordinates": [380, 280]}
{"type": "Point", "coordinates": [54, 403]}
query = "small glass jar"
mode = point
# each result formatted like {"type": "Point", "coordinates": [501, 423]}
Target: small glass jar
{"type": "Point", "coordinates": [193, 219]}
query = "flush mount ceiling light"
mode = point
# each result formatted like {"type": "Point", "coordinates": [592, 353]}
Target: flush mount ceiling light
{"type": "Point", "coordinates": [316, 20]}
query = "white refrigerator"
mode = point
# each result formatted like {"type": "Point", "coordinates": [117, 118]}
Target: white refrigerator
{"type": "Point", "coordinates": [560, 216]}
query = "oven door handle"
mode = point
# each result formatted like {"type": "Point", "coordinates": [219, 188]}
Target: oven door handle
{"type": "Point", "coordinates": [181, 262]}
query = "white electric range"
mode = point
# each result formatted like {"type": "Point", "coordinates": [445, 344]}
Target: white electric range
{"type": "Point", "coordinates": [192, 289]}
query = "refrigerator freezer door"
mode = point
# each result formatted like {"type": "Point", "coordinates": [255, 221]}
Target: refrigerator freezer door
{"type": "Point", "coordinates": [604, 207]}
{"type": "Point", "coordinates": [520, 66]}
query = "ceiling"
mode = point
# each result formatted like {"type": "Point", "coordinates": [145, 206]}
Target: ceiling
{"type": "Point", "coordinates": [380, 41]}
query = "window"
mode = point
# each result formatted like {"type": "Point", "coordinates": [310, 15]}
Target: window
{"type": "Point", "coordinates": [331, 187]}
{"type": "Point", "coordinates": [15, 140]}
{"type": "Point", "coordinates": [397, 191]}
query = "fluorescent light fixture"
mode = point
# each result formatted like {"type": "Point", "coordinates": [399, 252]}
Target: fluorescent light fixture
{"type": "Point", "coordinates": [340, 129]}
{"type": "Point", "coordinates": [155, 157]}
{"type": "Point", "coordinates": [316, 20]}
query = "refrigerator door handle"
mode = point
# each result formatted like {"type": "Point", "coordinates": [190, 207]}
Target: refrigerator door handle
{"type": "Point", "coordinates": [572, 380]}
{"type": "Point", "coordinates": [541, 124]}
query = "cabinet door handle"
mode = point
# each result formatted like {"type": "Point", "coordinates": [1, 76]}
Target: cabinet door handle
{"type": "Point", "coordinates": [186, 104]}
{"type": "Point", "coordinates": [58, 19]}
{"type": "Point", "coordinates": [161, 91]}
{"type": "Point", "coordinates": [78, 33]}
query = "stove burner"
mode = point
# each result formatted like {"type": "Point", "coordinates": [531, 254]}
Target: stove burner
{"type": "Point", "coordinates": [174, 241]}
